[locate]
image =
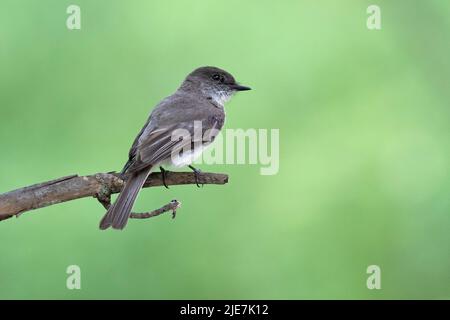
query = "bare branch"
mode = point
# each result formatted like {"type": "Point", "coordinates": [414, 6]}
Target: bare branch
{"type": "Point", "coordinates": [105, 200]}
{"type": "Point", "coordinates": [171, 206]}
{"type": "Point", "coordinates": [100, 186]}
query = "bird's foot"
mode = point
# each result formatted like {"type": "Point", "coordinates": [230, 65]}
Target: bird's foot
{"type": "Point", "coordinates": [197, 172]}
{"type": "Point", "coordinates": [163, 174]}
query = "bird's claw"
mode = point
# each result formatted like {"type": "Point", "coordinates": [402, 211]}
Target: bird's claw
{"type": "Point", "coordinates": [163, 175]}
{"type": "Point", "coordinates": [197, 172]}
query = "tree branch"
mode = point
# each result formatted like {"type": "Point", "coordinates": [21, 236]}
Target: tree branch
{"type": "Point", "coordinates": [100, 186]}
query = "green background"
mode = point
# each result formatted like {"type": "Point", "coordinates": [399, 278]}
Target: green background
{"type": "Point", "coordinates": [364, 148]}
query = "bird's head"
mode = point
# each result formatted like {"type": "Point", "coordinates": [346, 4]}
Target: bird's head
{"type": "Point", "coordinates": [214, 83]}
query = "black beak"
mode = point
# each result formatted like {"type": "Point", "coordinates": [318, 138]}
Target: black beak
{"type": "Point", "coordinates": [238, 87]}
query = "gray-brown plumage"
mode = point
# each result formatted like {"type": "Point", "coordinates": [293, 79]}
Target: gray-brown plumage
{"type": "Point", "coordinates": [199, 100]}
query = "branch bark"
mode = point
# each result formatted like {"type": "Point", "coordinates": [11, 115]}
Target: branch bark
{"type": "Point", "coordinates": [100, 186]}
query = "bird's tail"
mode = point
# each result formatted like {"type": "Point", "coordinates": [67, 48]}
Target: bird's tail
{"type": "Point", "coordinates": [118, 214]}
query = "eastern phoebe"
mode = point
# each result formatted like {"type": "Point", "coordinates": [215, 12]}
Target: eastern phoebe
{"type": "Point", "coordinates": [199, 99]}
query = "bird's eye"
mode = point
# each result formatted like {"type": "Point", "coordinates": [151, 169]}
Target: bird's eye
{"type": "Point", "coordinates": [219, 77]}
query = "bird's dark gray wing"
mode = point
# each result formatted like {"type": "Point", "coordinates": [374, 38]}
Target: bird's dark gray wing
{"type": "Point", "coordinates": [173, 118]}
{"type": "Point", "coordinates": [163, 143]}
{"type": "Point", "coordinates": [132, 152]}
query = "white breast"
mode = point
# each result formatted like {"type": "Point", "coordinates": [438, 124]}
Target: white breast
{"type": "Point", "coordinates": [187, 157]}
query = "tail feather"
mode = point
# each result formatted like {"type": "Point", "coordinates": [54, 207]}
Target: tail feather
{"type": "Point", "coordinates": [118, 214]}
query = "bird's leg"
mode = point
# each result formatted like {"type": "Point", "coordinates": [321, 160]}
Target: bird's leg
{"type": "Point", "coordinates": [196, 172]}
{"type": "Point", "coordinates": [163, 174]}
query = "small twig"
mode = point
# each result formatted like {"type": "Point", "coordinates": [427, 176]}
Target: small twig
{"type": "Point", "coordinates": [105, 200]}
{"type": "Point", "coordinates": [171, 206]}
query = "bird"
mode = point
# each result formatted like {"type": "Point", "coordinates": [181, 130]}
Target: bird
{"type": "Point", "coordinates": [199, 100]}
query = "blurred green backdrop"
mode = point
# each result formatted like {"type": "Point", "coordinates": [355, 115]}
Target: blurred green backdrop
{"type": "Point", "coordinates": [364, 141]}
